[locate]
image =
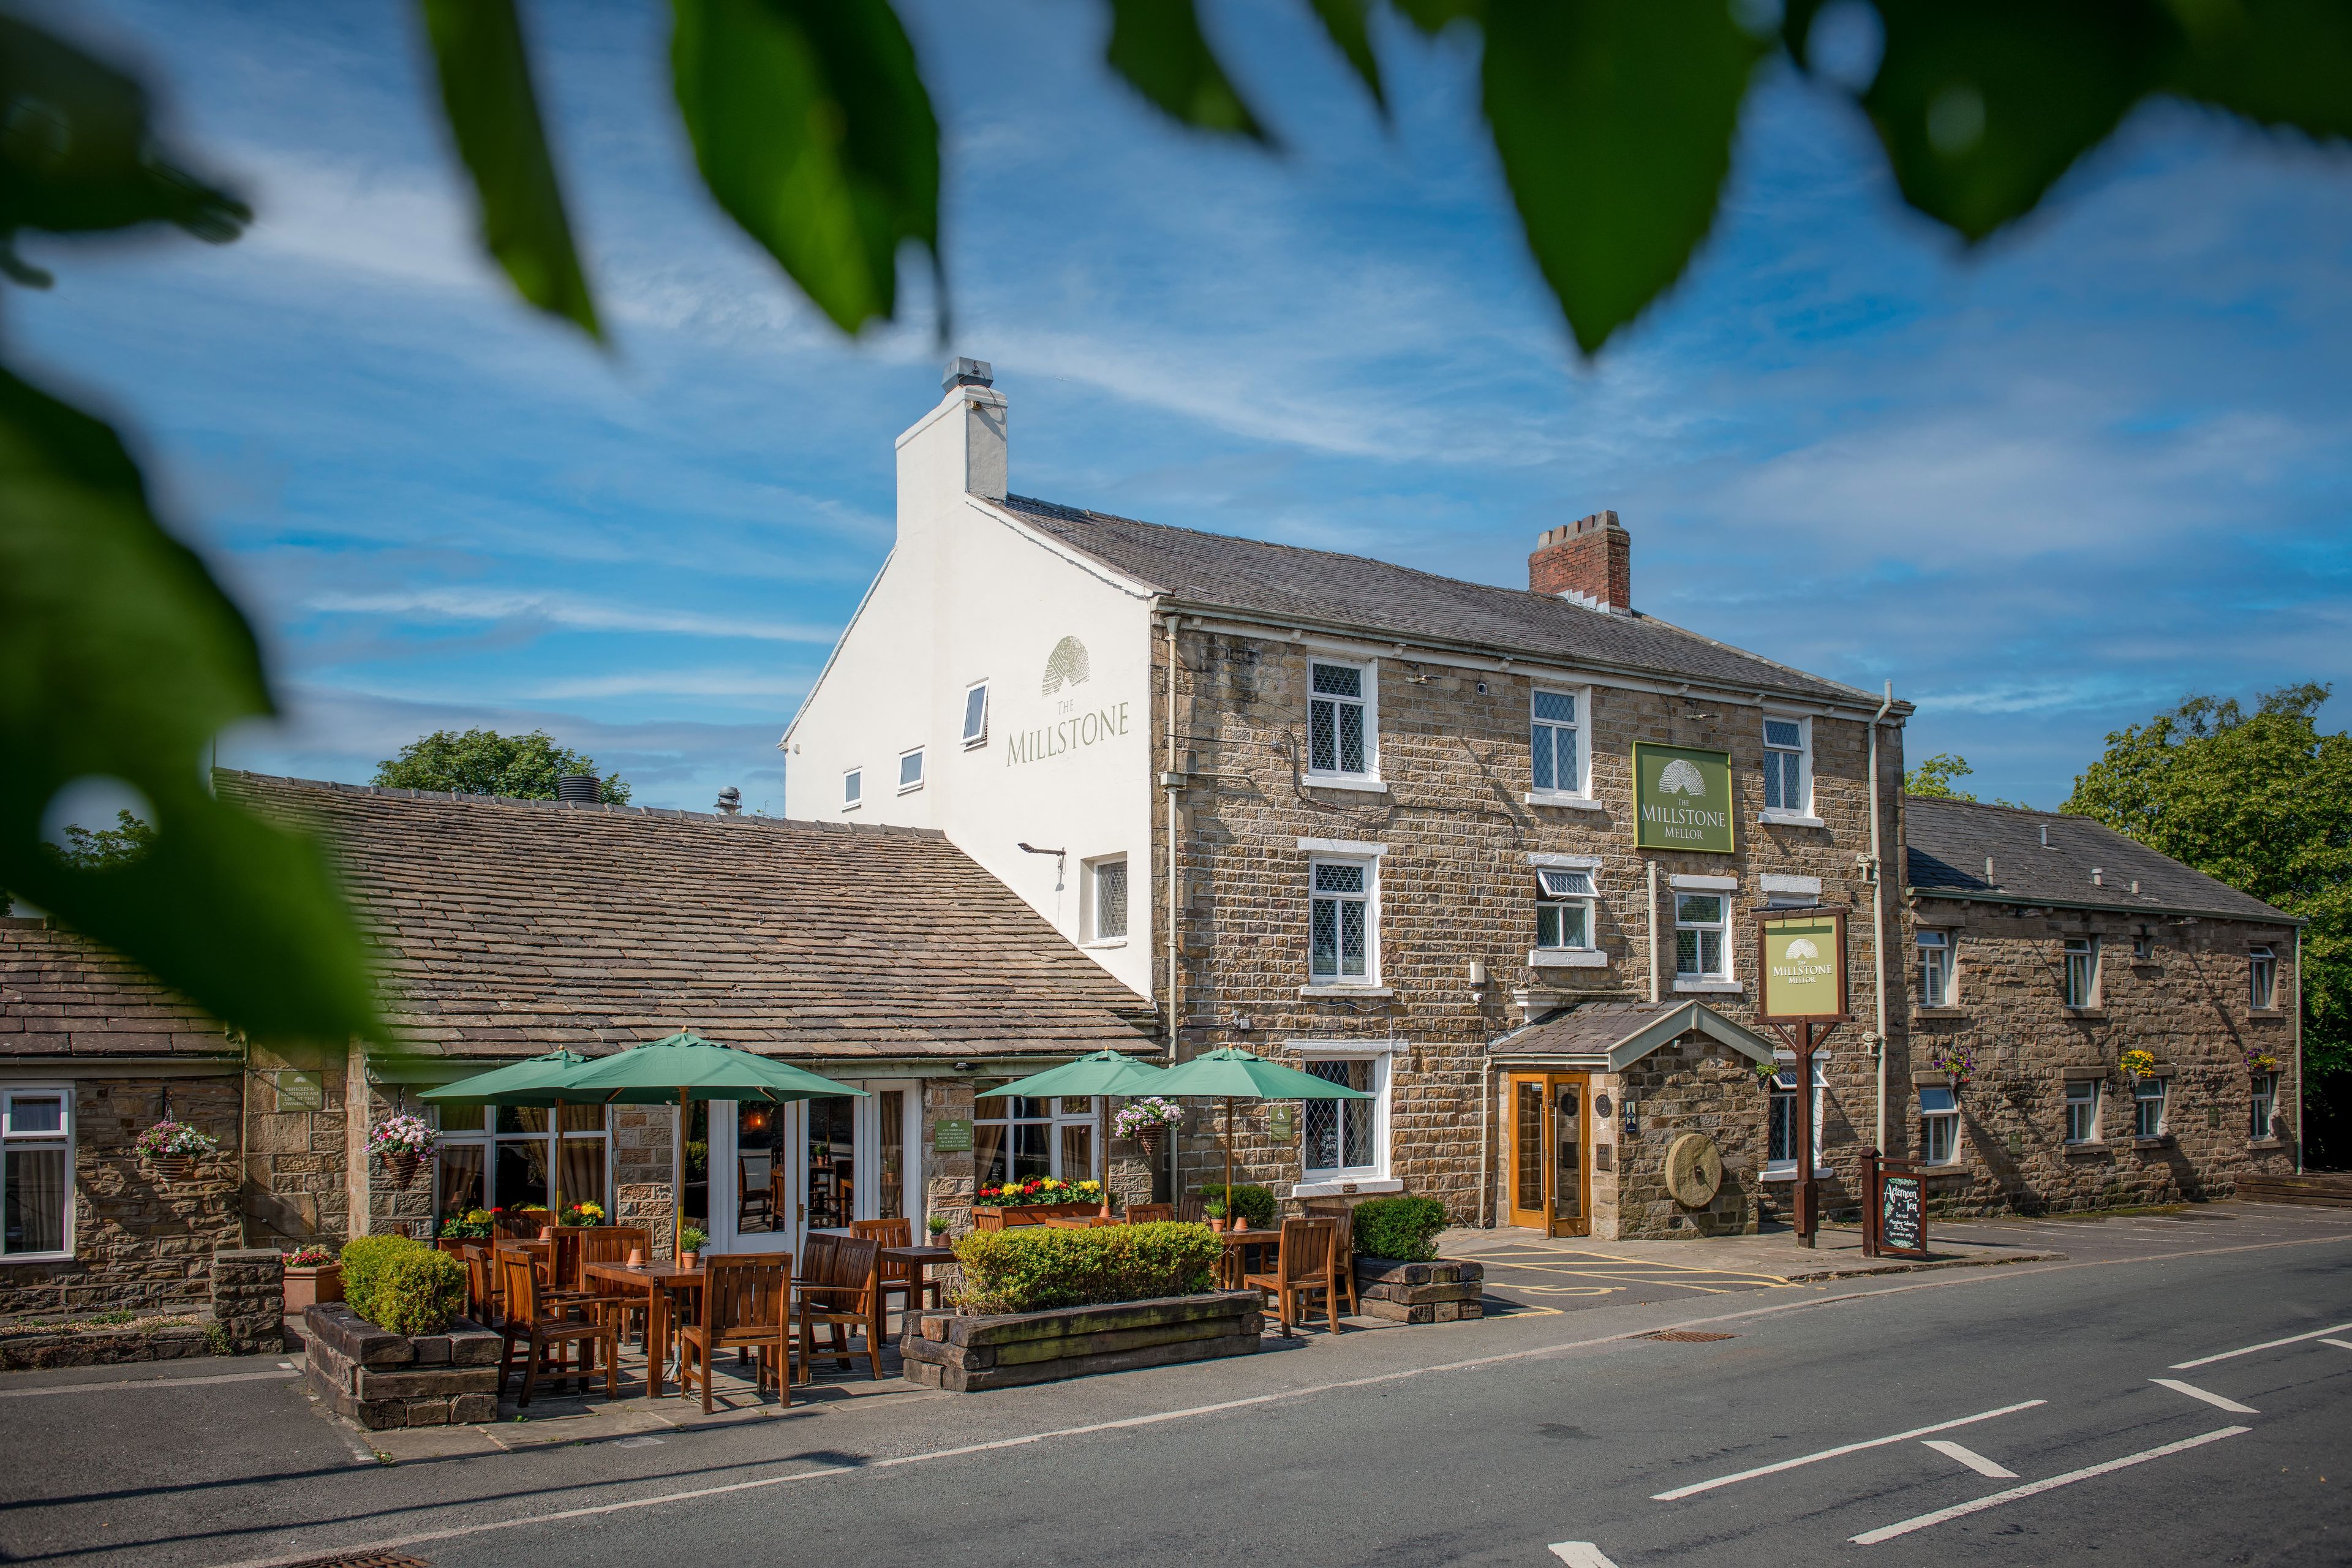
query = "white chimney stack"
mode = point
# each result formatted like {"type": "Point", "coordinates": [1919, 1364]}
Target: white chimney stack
{"type": "Point", "coordinates": [958, 449]}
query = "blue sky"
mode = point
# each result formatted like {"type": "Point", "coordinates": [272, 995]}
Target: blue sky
{"type": "Point", "coordinates": [2046, 489]}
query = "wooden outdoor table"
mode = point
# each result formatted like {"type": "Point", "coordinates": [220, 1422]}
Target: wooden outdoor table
{"type": "Point", "coordinates": [917, 1258]}
{"type": "Point", "coordinates": [657, 1280]}
{"type": "Point", "coordinates": [1233, 1266]}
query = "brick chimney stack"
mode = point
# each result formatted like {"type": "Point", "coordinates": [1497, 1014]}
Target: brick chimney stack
{"type": "Point", "coordinates": [1589, 562]}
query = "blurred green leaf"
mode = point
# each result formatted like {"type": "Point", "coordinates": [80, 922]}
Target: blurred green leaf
{"type": "Point", "coordinates": [77, 153]}
{"type": "Point", "coordinates": [121, 659]}
{"type": "Point", "coordinates": [486, 91]}
{"type": "Point", "coordinates": [1159, 47]}
{"type": "Point", "coordinates": [1614, 120]}
{"type": "Point", "coordinates": [1983, 106]}
{"type": "Point", "coordinates": [2278, 62]}
{"type": "Point", "coordinates": [1344, 20]}
{"type": "Point", "coordinates": [814, 132]}
{"type": "Point", "coordinates": [1432, 15]}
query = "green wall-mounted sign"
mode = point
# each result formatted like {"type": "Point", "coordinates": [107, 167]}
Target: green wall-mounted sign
{"type": "Point", "coordinates": [1682, 798]}
{"type": "Point", "coordinates": [951, 1135]}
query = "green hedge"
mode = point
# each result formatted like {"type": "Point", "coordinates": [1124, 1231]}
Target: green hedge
{"type": "Point", "coordinates": [1402, 1228]}
{"type": "Point", "coordinates": [1255, 1202]}
{"type": "Point", "coordinates": [403, 1284]}
{"type": "Point", "coordinates": [1033, 1268]}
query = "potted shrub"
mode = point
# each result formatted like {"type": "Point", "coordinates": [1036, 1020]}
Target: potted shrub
{"type": "Point", "coordinates": [311, 1276]}
{"type": "Point", "coordinates": [1253, 1206]}
{"type": "Point", "coordinates": [691, 1243]}
{"type": "Point", "coordinates": [938, 1226]}
{"type": "Point", "coordinates": [172, 1149]}
{"type": "Point", "coordinates": [402, 1140]}
{"type": "Point", "coordinates": [1147, 1121]}
{"type": "Point", "coordinates": [2138, 1064]}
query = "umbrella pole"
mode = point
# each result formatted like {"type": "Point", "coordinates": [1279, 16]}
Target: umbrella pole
{"type": "Point", "coordinates": [685, 1126]}
{"type": "Point", "coordinates": [555, 1162]}
{"type": "Point", "coordinates": [1229, 1164]}
{"type": "Point", "coordinates": [1105, 1162]}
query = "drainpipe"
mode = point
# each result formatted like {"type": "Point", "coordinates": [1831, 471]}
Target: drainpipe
{"type": "Point", "coordinates": [1171, 782]}
{"type": "Point", "coordinates": [1652, 922]}
{"type": "Point", "coordinates": [2298, 1052]}
{"type": "Point", "coordinates": [1878, 913]}
{"type": "Point", "coordinates": [1486, 1178]}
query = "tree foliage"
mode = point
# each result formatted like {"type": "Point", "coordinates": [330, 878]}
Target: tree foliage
{"type": "Point", "coordinates": [483, 762]}
{"type": "Point", "coordinates": [2261, 800]}
{"type": "Point", "coordinates": [1936, 777]}
{"type": "Point", "coordinates": [1613, 122]}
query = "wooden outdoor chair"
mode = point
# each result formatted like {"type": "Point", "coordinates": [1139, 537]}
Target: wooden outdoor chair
{"type": "Point", "coordinates": [613, 1244]}
{"type": "Point", "coordinates": [1342, 1213]}
{"type": "Point", "coordinates": [898, 1278]}
{"type": "Point", "coordinates": [517, 1225]}
{"type": "Point", "coordinates": [1192, 1209]}
{"type": "Point", "coordinates": [848, 1297]}
{"type": "Point", "coordinates": [548, 1333]}
{"type": "Point", "coordinates": [747, 1305]}
{"type": "Point", "coordinates": [481, 1284]}
{"type": "Point", "coordinates": [1305, 1262]}
{"type": "Point", "coordinates": [816, 1258]}
{"type": "Point", "coordinates": [755, 1198]}
{"type": "Point", "coordinates": [1149, 1213]}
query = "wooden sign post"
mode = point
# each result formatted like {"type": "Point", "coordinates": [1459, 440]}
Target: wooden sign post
{"type": "Point", "coordinates": [1801, 980]}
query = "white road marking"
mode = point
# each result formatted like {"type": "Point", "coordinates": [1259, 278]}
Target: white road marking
{"type": "Point", "coordinates": [1972, 1459]}
{"type": "Point", "coordinates": [2339, 1344]}
{"type": "Point", "coordinates": [145, 1383]}
{"type": "Point", "coordinates": [2035, 1489]}
{"type": "Point", "coordinates": [1580, 1555]}
{"type": "Point", "coordinates": [2194, 1391]}
{"type": "Point", "coordinates": [1840, 1452]}
{"type": "Point", "coordinates": [2265, 1345]}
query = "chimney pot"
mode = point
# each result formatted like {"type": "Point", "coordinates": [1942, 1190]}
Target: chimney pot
{"type": "Point", "coordinates": [579, 788]}
{"type": "Point", "coordinates": [731, 800]}
{"type": "Point", "coordinates": [1589, 562]}
{"type": "Point", "coordinates": [964, 371]}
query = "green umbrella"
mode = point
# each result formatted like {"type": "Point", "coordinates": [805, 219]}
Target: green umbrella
{"type": "Point", "coordinates": [1105, 1073]}
{"type": "Point", "coordinates": [692, 1068]}
{"type": "Point", "coordinates": [1230, 1073]}
{"type": "Point", "coordinates": [536, 1080]}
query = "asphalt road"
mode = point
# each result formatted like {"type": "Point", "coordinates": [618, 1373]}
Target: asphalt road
{"type": "Point", "coordinates": [1533, 1438]}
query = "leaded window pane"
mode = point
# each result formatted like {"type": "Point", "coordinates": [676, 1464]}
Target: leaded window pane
{"type": "Point", "coordinates": [1352, 939]}
{"type": "Point", "coordinates": [1566, 884]}
{"type": "Point", "coordinates": [1570, 775]}
{"type": "Point", "coordinates": [1699, 909]}
{"type": "Point", "coordinates": [1542, 771]}
{"type": "Point", "coordinates": [1784, 733]}
{"type": "Point", "coordinates": [1327, 937]}
{"type": "Point", "coordinates": [1558, 707]}
{"type": "Point", "coordinates": [1110, 899]}
{"type": "Point", "coordinates": [1339, 878]}
{"type": "Point", "coordinates": [1351, 737]}
{"type": "Point", "coordinates": [1323, 737]}
{"type": "Point", "coordinates": [1686, 955]}
{"type": "Point", "coordinates": [1339, 680]}
{"type": "Point", "coordinates": [1547, 925]}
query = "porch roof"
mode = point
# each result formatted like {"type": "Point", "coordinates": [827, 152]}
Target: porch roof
{"type": "Point", "coordinates": [1622, 1033]}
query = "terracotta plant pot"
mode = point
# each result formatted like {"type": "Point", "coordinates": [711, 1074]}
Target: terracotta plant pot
{"type": "Point", "coordinates": [689, 1261]}
{"type": "Point", "coordinates": [308, 1287]}
{"type": "Point", "coordinates": [1216, 1222]}
{"type": "Point", "coordinates": [403, 1168]}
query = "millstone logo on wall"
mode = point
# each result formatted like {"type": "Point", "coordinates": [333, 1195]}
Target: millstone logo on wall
{"type": "Point", "coordinates": [1682, 798]}
{"type": "Point", "coordinates": [1072, 730]}
{"type": "Point", "coordinates": [1802, 956]}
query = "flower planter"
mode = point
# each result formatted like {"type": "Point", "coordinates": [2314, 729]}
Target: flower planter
{"type": "Point", "coordinates": [1152, 1140]}
{"type": "Point", "coordinates": [1447, 1291]}
{"type": "Point", "coordinates": [380, 1379]}
{"type": "Point", "coordinates": [172, 1167]}
{"type": "Point", "coordinates": [993, 1217]}
{"type": "Point", "coordinates": [967, 1355]}
{"type": "Point", "coordinates": [403, 1169]}
{"type": "Point", "coordinates": [306, 1287]}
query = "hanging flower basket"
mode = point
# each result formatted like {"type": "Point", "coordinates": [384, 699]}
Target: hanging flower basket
{"type": "Point", "coordinates": [1147, 1121]}
{"type": "Point", "coordinates": [404, 1167]}
{"type": "Point", "coordinates": [2138, 1064]}
{"type": "Point", "coordinates": [172, 1167]}
{"type": "Point", "coordinates": [403, 1142]}
{"type": "Point", "coordinates": [173, 1147]}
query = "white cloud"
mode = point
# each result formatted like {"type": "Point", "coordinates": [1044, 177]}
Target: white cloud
{"type": "Point", "coordinates": [559, 609]}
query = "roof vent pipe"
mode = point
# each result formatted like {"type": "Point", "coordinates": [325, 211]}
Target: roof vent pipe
{"type": "Point", "coordinates": [577, 789]}
{"type": "Point", "coordinates": [731, 800]}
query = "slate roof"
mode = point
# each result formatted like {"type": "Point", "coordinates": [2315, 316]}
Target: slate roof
{"type": "Point", "coordinates": [62, 996]}
{"type": "Point", "coordinates": [1213, 572]}
{"type": "Point", "coordinates": [1618, 1030]}
{"type": "Point", "coordinates": [1947, 841]}
{"type": "Point", "coordinates": [509, 927]}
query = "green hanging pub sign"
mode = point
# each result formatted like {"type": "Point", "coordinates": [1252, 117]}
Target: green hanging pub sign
{"type": "Point", "coordinates": [1682, 798]}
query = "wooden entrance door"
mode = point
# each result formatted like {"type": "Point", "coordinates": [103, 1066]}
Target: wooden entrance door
{"type": "Point", "coordinates": [1550, 1140]}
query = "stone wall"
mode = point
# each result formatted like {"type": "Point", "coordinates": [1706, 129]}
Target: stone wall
{"type": "Point", "coordinates": [1694, 1085]}
{"type": "Point", "coordinates": [1456, 887]}
{"type": "Point", "coordinates": [382, 1380]}
{"type": "Point", "coordinates": [143, 1242]}
{"type": "Point", "coordinates": [295, 1152]}
{"type": "Point", "coordinates": [249, 1299]}
{"type": "Point", "coordinates": [2187, 1002]}
{"type": "Point", "coordinates": [643, 1138]}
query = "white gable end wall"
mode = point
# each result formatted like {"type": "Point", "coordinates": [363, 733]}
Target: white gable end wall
{"type": "Point", "coordinates": [970, 595]}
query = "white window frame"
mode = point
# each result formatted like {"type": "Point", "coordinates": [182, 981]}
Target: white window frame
{"type": "Point", "coordinates": [1785, 1083]}
{"type": "Point", "coordinates": [2091, 1110]}
{"type": "Point", "coordinates": [1371, 897]}
{"type": "Point", "coordinates": [852, 787]}
{"type": "Point", "coordinates": [486, 1137]}
{"type": "Point", "coordinates": [2161, 1100]}
{"type": "Point", "coordinates": [1556, 887]}
{"type": "Point", "coordinates": [973, 737]}
{"type": "Point", "coordinates": [1320, 1181]}
{"type": "Point", "coordinates": [1055, 1118]}
{"type": "Point", "coordinates": [1947, 1121]}
{"type": "Point", "coordinates": [1369, 703]}
{"type": "Point", "coordinates": [1936, 951]}
{"type": "Point", "coordinates": [1785, 815]}
{"type": "Point", "coordinates": [65, 1138]}
{"type": "Point", "coordinates": [2085, 948]}
{"type": "Point", "coordinates": [904, 787]}
{"type": "Point", "coordinates": [1575, 793]}
{"type": "Point", "coordinates": [1090, 898]}
{"type": "Point", "coordinates": [1721, 889]}
{"type": "Point", "coordinates": [2262, 1125]}
{"type": "Point", "coordinates": [2262, 978]}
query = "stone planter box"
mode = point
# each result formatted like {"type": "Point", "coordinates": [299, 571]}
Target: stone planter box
{"type": "Point", "coordinates": [380, 1379]}
{"type": "Point", "coordinates": [23, 1347]}
{"type": "Point", "coordinates": [1447, 1291]}
{"type": "Point", "coordinates": [306, 1287]}
{"type": "Point", "coordinates": [965, 1356]}
{"type": "Point", "coordinates": [992, 1218]}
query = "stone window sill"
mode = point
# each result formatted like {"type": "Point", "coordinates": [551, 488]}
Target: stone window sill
{"type": "Point", "coordinates": [2090, 1147]}
{"type": "Point", "coordinates": [1568, 958]}
{"type": "Point", "coordinates": [850, 804]}
{"type": "Point", "coordinates": [2161, 1140]}
{"type": "Point", "coordinates": [1100, 942]}
{"type": "Point", "coordinates": [2093, 1013]}
{"type": "Point", "coordinates": [1725, 987]}
{"type": "Point", "coordinates": [1341, 1186]}
{"type": "Point", "coordinates": [1948, 1173]}
{"type": "Point", "coordinates": [1345, 993]}
{"type": "Point", "coordinates": [2267, 1015]}
{"type": "Point", "coordinates": [1789, 1173]}
{"type": "Point", "coordinates": [1362, 786]}
{"type": "Point", "coordinates": [1789, 819]}
{"type": "Point", "coordinates": [2265, 1144]}
{"type": "Point", "coordinates": [16, 1257]}
{"type": "Point", "coordinates": [1564, 802]}
{"type": "Point", "coordinates": [1924, 1014]}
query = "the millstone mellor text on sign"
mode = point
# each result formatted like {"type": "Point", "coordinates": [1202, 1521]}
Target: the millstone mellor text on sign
{"type": "Point", "coordinates": [1800, 954]}
{"type": "Point", "coordinates": [1682, 798]}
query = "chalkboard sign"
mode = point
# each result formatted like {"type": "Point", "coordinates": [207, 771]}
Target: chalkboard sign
{"type": "Point", "coordinates": [1901, 1222]}
{"type": "Point", "coordinates": [951, 1135]}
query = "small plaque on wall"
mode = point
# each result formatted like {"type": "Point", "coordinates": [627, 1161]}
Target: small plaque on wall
{"type": "Point", "coordinates": [1282, 1123]}
{"type": "Point", "coordinates": [301, 1091]}
{"type": "Point", "coordinates": [951, 1135]}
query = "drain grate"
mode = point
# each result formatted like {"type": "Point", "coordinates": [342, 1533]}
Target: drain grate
{"type": "Point", "coordinates": [363, 1560]}
{"type": "Point", "coordinates": [1686, 1336]}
